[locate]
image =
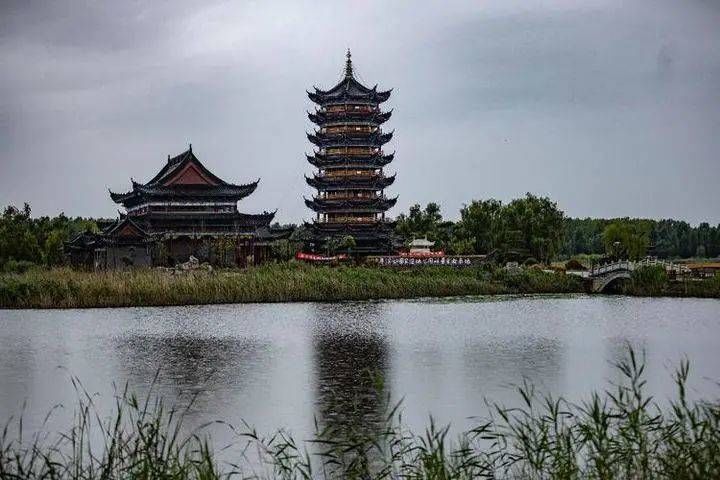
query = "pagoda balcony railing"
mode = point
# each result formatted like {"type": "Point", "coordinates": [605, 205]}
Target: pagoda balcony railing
{"type": "Point", "coordinates": [351, 151]}
{"type": "Point", "coordinates": [350, 108]}
{"type": "Point", "coordinates": [349, 130]}
{"type": "Point", "coordinates": [347, 219]}
{"type": "Point", "coordinates": [351, 173]}
{"type": "Point", "coordinates": [348, 196]}
{"type": "Point", "coordinates": [185, 213]}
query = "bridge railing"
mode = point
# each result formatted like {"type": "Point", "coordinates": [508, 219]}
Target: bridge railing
{"type": "Point", "coordinates": [627, 265]}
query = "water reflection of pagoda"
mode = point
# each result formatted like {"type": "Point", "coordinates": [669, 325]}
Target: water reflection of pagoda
{"type": "Point", "coordinates": [352, 363]}
{"type": "Point", "coordinates": [350, 181]}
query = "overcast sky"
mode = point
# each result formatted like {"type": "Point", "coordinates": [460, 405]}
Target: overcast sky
{"type": "Point", "coordinates": [611, 108]}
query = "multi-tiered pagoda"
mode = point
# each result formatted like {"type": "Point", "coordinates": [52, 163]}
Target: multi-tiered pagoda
{"type": "Point", "coordinates": [350, 180]}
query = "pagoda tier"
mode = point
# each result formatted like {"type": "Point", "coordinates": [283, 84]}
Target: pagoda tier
{"type": "Point", "coordinates": [348, 116]}
{"type": "Point", "coordinates": [349, 90]}
{"type": "Point", "coordinates": [374, 181]}
{"type": "Point", "coordinates": [374, 139]}
{"type": "Point", "coordinates": [370, 238]}
{"type": "Point", "coordinates": [350, 204]}
{"type": "Point", "coordinates": [334, 161]}
{"type": "Point", "coordinates": [185, 197]}
{"type": "Point", "coordinates": [350, 181]}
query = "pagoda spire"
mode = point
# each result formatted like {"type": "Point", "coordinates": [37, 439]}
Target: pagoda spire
{"type": "Point", "coordinates": [348, 65]}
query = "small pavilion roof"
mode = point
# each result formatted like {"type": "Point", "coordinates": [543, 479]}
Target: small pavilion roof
{"type": "Point", "coordinates": [422, 243]}
{"type": "Point", "coordinates": [126, 226]}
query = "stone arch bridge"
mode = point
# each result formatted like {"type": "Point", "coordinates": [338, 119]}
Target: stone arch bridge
{"type": "Point", "coordinates": [602, 276]}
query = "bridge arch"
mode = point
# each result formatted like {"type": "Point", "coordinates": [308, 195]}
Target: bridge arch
{"type": "Point", "coordinates": [601, 284]}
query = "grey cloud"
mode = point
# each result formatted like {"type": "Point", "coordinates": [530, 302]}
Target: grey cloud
{"type": "Point", "coordinates": [611, 108]}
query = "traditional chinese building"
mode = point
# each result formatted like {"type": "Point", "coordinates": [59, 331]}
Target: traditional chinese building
{"type": "Point", "coordinates": [184, 210]}
{"type": "Point", "coordinates": [350, 178]}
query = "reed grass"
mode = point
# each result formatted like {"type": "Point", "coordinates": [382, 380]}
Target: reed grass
{"type": "Point", "coordinates": [653, 281]}
{"type": "Point", "coordinates": [66, 288]}
{"type": "Point", "coordinates": [620, 433]}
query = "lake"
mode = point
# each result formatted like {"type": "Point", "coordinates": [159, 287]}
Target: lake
{"type": "Point", "coordinates": [282, 365]}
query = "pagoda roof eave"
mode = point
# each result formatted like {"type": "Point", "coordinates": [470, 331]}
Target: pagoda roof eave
{"type": "Point", "coordinates": [376, 183]}
{"type": "Point", "coordinates": [227, 189]}
{"type": "Point", "coordinates": [227, 192]}
{"type": "Point", "coordinates": [373, 140]}
{"type": "Point", "coordinates": [357, 204]}
{"type": "Point", "coordinates": [340, 158]}
{"type": "Point", "coordinates": [373, 162]}
{"type": "Point", "coordinates": [325, 118]}
{"type": "Point", "coordinates": [371, 229]}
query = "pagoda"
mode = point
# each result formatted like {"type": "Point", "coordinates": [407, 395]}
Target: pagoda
{"type": "Point", "coordinates": [350, 181]}
{"type": "Point", "coordinates": [187, 208]}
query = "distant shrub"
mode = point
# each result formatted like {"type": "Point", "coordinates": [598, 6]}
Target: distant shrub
{"type": "Point", "coordinates": [18, 266]}
{"type": "Point", "coordinates": [648, 280]}
{"type": "Point", "coordinates": [574, 264]}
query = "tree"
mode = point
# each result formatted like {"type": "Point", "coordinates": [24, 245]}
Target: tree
{"type": "Point", "coordinates": [53, 251]}
{"type": "Point", "coordinates": [17, 240]}
{"type": "Point", "coordinates": [424, 223]}
{"type": "Point", "coordinates": [625, 240]}
{"type": "Point", "coordinates": [540, 223]}
{"type": "Point", "coordinates": [224, 250]}
{"type": "Point", "coordinates": [482, 223]}
{"type": "Point", "coordinates": [347, 243]}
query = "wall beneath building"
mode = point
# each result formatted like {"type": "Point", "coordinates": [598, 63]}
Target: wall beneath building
{"type": "Point", "coordinates": [228, 253]}
{"type": "Point", "coordinates": [118, 257]}
{"type": "Point", "coordinates": [211, 250]}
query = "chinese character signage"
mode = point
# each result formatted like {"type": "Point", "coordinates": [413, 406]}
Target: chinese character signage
{"type": "Point", "coordinates": [450, 261]}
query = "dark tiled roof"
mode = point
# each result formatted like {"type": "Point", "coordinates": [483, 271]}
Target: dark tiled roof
{"type": "Point", "coordinates": [373, 140]}
{"type": "Point", "coordinates": [349, 88]}
{"type": "Point", "coordinates": [324, 161]}
{"type": "Point", "coordinates": [354, 204]}
{"type": "Point", "coordinates": [322, 118]}
{"type": "Point", "coordinates": [359, 183]}
{"type": "Point", "coordinates": [175, 164]}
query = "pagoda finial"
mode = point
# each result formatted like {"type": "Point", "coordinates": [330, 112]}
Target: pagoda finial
{"type": "Point", "coordinates": [190, 147]}
{"type": "Point", "coordinates": [348, 64]}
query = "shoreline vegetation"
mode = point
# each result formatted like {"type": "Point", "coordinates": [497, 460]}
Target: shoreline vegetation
{"type": "Point", "coordinates": [297, 282]}
{"type": "Point", "coordinates": [619, 432]}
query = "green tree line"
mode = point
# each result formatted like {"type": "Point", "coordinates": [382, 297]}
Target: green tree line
{"type": "Point", "coordinates": [528, 228]}
{"type": "Point", "coordinates": [26, 241]}
{"type": "Point", "coordinates": [662, 238]}
{"type": "Point", "coordinates": [535, 227]}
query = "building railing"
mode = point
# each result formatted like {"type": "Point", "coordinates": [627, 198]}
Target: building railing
{"type": "Point", "coordinates": [350, 108]}
{"type": "Point", "coordinates": [349, 130]}
{"type": "Point", "coordinates": [351, 173]}
{"type": "Point", "coordinates": [351, 151]}
{"type": "Point", "coordinates": [342, 220]}
{"type": "Point", "coordinates": [349, 196]}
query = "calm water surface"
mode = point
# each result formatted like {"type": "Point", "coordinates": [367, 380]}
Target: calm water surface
{"type": "Point", "coordinates": [281, 365]}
